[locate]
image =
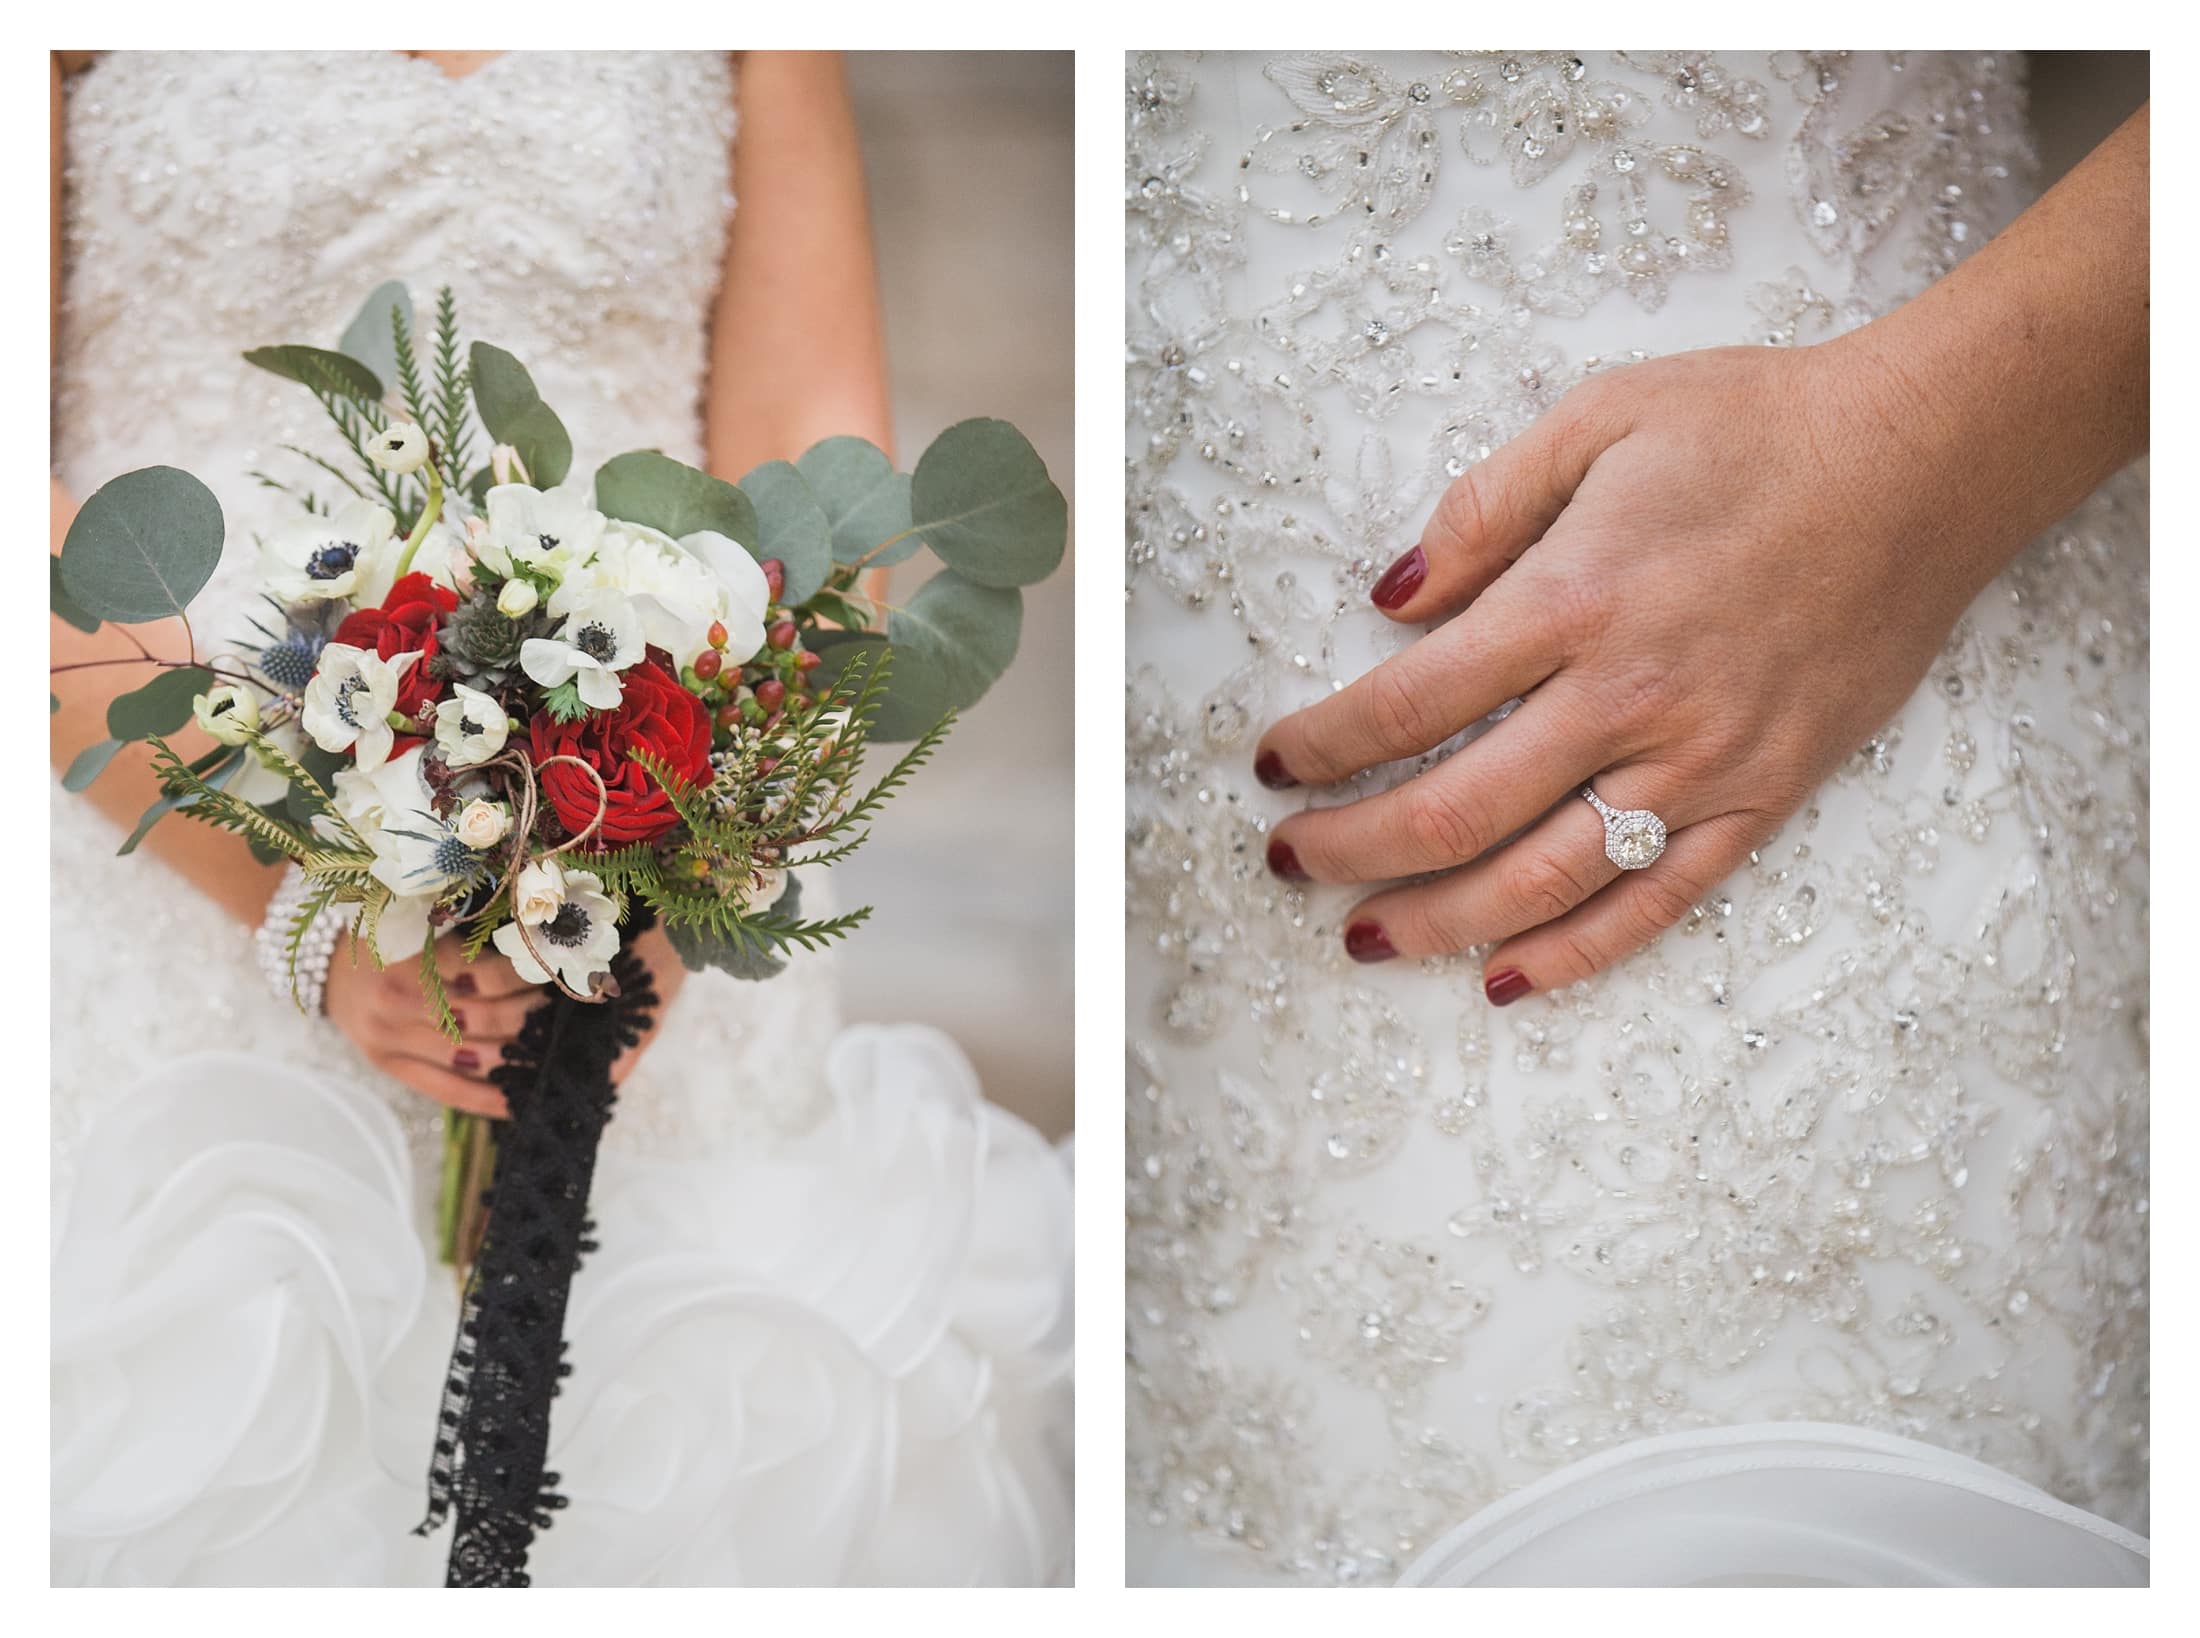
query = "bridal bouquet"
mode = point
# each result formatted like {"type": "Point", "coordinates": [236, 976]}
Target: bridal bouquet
{"type": "Point", "coordinates": [489, 701]}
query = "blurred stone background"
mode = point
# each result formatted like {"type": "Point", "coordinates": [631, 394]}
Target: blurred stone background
{"type": "Point", "coordinates": [969, 160]}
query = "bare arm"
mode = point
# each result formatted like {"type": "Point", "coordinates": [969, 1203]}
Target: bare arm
{"type": "Point", "coordinates": [795, 353]}
{"type": "Point", "coordinates": [214, 862]}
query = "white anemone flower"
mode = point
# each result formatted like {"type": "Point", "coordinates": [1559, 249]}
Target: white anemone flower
{"type": "Point", "coordinates": [348, 703]}
{"type": "Point", "coordinates": [417, 856]}
{"type": "Point", "coordinates": [601, 637]}
{"type": "Point", "coordinates": [470, 726]}
{"type": "Point", "coordinates": [576, 942]}
{"type": "Point", "coordinates": [348, 556]}
{"type": "Point", "coordinates": [399, 447]}
{"type": "Point", "coordinates": [554, 531]}
{"type": "Point", "coordinates": [229, 713]}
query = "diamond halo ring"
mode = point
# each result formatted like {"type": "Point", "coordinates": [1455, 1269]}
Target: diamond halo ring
{"type": "Point", "coordinates": [1633, 837]}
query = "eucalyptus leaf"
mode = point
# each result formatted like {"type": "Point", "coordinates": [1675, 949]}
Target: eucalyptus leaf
{"type": "Point", "coordinates": [949, 645]}
{"type": "Point", "coordinates": [983, 502]}
{"type": "Point", "coordinates": [142, 546]}
{"type": "Point", "coordinates": [699, 947]}
{"type": "Point", "coordinates": [368, 337]}
{"type": "Point", "coordinates": [320, 369]}
{"type": "Point", "coordinates": [217, 773]}
{"type": "Point", "coordinates": [89, 764]}
{"type": "Point", "coordinates": [62, 604]}
{"type": "Point", "coordinates": [791, 526]}
{"type": "Point", "coordinates": [513, 413]}
{"type": "Point", "coordinates": [161, 706]}
{"type": "Point", "coordinates": [646, 487]}
{"type": "Point", "coordinates": [865, 500]}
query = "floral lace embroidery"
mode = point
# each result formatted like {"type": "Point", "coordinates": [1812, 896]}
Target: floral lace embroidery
{"type": "Point", "coordinates": [1864, 1138]}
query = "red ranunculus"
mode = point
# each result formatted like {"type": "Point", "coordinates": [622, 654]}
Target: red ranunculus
{"type": "Point", "coordinates": [656, 715]}
{"type": "Point", "coordinates": [404, 624]}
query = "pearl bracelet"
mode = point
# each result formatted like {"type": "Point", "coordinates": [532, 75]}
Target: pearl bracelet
{"type": "Point", "coordinates": [316, 949]}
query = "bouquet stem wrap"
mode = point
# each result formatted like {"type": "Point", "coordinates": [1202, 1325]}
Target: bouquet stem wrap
{"type": "Point", "coordinates": [494, 1432]}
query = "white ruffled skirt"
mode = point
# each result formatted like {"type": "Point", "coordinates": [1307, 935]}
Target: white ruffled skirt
{"type": "Point", "coordinates": [1782, 1504]}
{"type": "Point", "coordinates": [841, 1358]}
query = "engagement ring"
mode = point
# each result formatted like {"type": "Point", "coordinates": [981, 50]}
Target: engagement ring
{"type": "Point", "coordinates": [1633, 837]}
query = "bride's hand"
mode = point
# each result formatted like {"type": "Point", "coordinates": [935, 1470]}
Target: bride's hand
{"type": "Point", "coordinates": [387, 1017]}
{"type": "Point", "coordinates": [1711, 577]}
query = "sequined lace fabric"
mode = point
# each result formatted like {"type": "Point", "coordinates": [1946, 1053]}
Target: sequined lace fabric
{"type": "Point", "coordinates": [1863, 1140]}
{"type": "Point", "coordinates": [577, 203]}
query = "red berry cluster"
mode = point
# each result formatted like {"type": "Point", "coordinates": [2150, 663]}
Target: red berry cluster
{"type": "Point", "coordinates": [756, 692]}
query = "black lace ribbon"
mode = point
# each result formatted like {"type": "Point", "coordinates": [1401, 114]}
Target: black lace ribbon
{"type": "Point", "coordinates": [493, 1434]}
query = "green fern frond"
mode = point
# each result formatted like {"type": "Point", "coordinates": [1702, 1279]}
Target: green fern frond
{"type": "Point", "coordinates": [312, 791]}
{"type": "Point", "coordinates": [307, 913]}
{"type": "Point", "coordinates": [899, 775]}
{"type": "Point", "coordinates": [328, 466]}
{"type": "Point", "coordinates": [431, 982]}
{"type": "Point", "coordinates": [454, 390]}
{"type": "Point", "coordinates": [355, 423]}
{"type": "Point", "coordinates": [408, 367]}
{"type": "Point", "coordinates": [370, 921]}
{"type": "Point", "coordinates": [211, 805]}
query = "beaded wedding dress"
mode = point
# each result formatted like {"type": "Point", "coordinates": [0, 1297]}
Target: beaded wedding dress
{"type": "Point", "coordinates": [826, 1337]}
{"type": "Point", "coordinates": [1810, 1243]}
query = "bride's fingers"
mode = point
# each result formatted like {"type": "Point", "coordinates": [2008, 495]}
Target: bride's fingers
{"type": "Point", "coordinates": [1413, 701]}
{"type": "Point", "coordinates": [1535, 878]}
{"type": "Point", "coordinates": [446, 1085]}
{"type": "Point", "coordinates": [1458, 809]}
{"type": "Point", "coordinates": [1629, 913]}
{"type": "Point", "coordinates": [495, 1020]}
{"type": "Point", "coordinates": [1497, 510]}
{"type": "Point", "coordinates": [489, 974]}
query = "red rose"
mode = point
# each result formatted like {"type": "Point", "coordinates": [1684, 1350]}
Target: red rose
{"type": "Point", "coordinates": [656, 715]}
{"type": "Point", "coordinates": [404, 624]}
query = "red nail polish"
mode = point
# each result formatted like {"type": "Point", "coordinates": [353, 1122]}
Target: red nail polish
{"type": "Point", "coordinates": [463, 984]}
{"type": "Point", "coordinates": [465, 1058]}
{"type": "Point", "coordinates": [1285, 862]}
{"type": "Point", "coordinates": [1400, 581]}
{"type": "Point", "coordinates": [1269, 770]}
{"type": "Point", "coordinates": [1505, 986]}
{"type": "Point", "coordinates": [458, 1016]}
{"type": "Point", "coordinates": [1364, 941]}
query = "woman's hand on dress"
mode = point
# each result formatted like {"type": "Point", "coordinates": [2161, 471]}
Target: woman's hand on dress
{"type": "Point", "coordinates": [388, 1018]}
{"type": "Point", "coordinates": [1709, 579]}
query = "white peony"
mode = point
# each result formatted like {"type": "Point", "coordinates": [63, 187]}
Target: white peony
{"type": "Point", "coordinates": [681, 588]}
{"type": "Point", "coordinates": [601, 637]}
{"type": "Point", "coordinates": [554, 531]}
{"type": "Point", "coordinates": [577, 941]}
{"type": "Point", "coordinates": [470, 726]}
{"type": "Point", "coordinates": [517, 597]}
{"type": "Point", "coordinates": [349, 700]}
{"type": "Point", "coordinates": [748, 593]}
{"type": "Point", "coordinates": [349, 555]}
